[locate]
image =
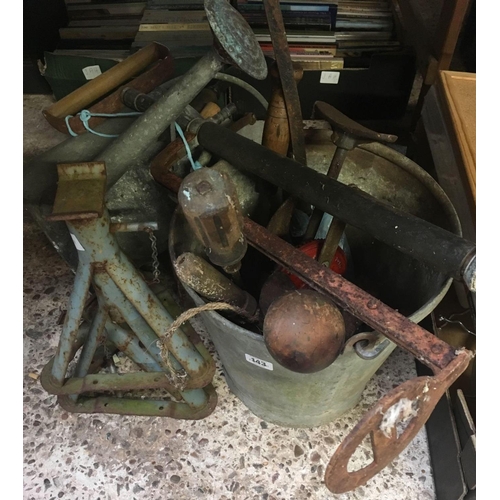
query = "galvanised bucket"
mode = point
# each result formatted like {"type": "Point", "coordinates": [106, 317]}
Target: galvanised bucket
{"type": "Point", "coordinates": [291, 399]}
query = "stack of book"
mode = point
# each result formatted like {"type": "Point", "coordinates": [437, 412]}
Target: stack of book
{"type": "Point", "coordinates": [101, 26]}
{"type": "Point", "coordinates": [181, 25]}
{"type": "Point", "coordinates": [321, 32]}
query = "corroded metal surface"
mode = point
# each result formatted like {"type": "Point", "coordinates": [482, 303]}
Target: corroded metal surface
{"type": "Point", "coordinates": [100, 86]}
{"type": "Point", "coordinates": [212, 284]}
{"type": "Point", "coordinates": [120, 288]}
{"type": "Point", "coordinates": [239, 46]}
{"type": "Point", "coordinates": [159, 73]}
{"type": "Point", "coordinates": [410, 404]}
{"type": "Point", "coordinates": [413, 399]}
{"type": "Point", "coordinates": [142, 407]}
{"type": "Point", "coordinates": [104, 382]}
{"type": "Point", "coordinates": [427, 242]}
{"type": "Point", "coordinates": [342, 124]}
{"type": "Point", "coordinates": [236, 38]}
{"type": "Point", "coordinates": [82, 200]}
{"type": "Point", "coordinates": [304, 331]}
{"type": "Point", "coordinates": [289, 76]}
{"type": "Point", "coordinates": [421, 343]}
{"type": "Point", "coordinates": [68, 339]}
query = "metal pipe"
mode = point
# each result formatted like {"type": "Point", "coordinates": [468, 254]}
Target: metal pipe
{"type": "Point", "coordinates": [129, 344]}
{"type": "Point", "coordinates": [127, 278]}
{"type": "Point", "coordinates": [71, 325]}
{"type": "Point", "coordinates": [101, 249]}
{"type": "Point", "coordinates": [223, 77]}
{"type": "Point", "coordinates": [90, 345]}
{"type": "Point", "coordinates": [139, 101]}
{"type": "Point", "coordinates": [416, 237]}
{"type": "Point", "coordinates": [126, 149]}
{"type": "Point", "coordinates": [113, 295]}
{"type": "Point", "coordinates": [234, 43]}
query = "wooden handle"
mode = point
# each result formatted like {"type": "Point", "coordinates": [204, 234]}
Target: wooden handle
{"type": "Point", "coordinates": [145, 82]}
{"type": "Point", "coordinates": [276, 134]}
{"type": "Point", "coordinates": [109, 80]}
{"type": "Point", "coordinates": [210, 109]}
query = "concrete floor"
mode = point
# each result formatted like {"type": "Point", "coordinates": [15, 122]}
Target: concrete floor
{"type": "Point", "coordinates": [231, 454]}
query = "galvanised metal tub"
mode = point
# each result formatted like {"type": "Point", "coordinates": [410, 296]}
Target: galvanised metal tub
{"type": "Point", "coordinates": [291, 399]}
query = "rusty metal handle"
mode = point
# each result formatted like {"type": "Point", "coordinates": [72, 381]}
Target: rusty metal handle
{"type": "Point", "coordinates": [346, 125]}
{"type": "Point", "coordinates": [422, 240]}
{"type": "Point", "coordinates": [414, 399]}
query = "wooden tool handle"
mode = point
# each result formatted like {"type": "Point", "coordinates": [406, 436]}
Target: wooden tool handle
{"type": "Point", "coordinates": [210, 109]}
{"type": "Point", "coordinates": [145, 82]}
{"type": "Point", "coordinates": [109, 80]}
{"type": "Point", "coordinates": [276, 134]}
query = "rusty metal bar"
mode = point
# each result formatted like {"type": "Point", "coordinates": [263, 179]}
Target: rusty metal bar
{"type": "Point", "coordinates": [91, 344]}
{"type": "Point", "coordinates": [104, 382]}
{"type": "Point", "coordinates": [416, 237]}
{"type": "Point", "coordinates": [420, 396]}
{"type": "Point", "coordinates": [128, 343]}
{"type": "Point", "coordinates": [419, 342]}
{"type": "Point", "coordinates": [142, 407]}
{"type": "Point", "coordinates": [422, 344]}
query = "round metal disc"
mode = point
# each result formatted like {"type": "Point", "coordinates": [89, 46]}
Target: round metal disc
{"type": "Point", "coordinates": [236, 38]}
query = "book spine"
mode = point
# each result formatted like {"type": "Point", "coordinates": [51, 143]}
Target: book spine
{"type": "Point", "coordinates": [175, 27]}
{"type": "Point", "coordinates": [313, 65]}
{"type": "Point", "coordinates": [191, 38]}
{"type": "Point", "coordinates": [173, 16]}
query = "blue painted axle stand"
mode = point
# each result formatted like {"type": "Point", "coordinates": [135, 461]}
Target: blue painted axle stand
{"type": "Point", "coordinates": [112, 308]}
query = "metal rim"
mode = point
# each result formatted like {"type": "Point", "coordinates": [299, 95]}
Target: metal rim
{"type": "Point", "coordinates": [236, 38]}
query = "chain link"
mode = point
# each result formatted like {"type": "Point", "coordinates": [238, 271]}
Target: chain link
{"type": "Point", "coordinates": [154, 256]}
{"type": "Point", "coordinates": [107, 353]}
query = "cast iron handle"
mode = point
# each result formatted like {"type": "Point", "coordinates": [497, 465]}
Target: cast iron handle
{"type": "Point", "coordinates": [415, 399]}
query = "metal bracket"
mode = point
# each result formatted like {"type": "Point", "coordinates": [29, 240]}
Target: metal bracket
{"type": "Point", "coordinates": [412, 403]}
{"type": "Point", "coordinates": [140, 318]}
